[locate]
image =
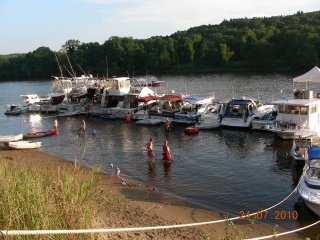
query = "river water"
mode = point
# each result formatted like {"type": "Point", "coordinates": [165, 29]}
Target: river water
{"type": "Point", "coordinates": [232, 171]}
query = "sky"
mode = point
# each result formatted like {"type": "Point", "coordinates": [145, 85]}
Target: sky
{"type": "Point", "coordinates": [26, 25]}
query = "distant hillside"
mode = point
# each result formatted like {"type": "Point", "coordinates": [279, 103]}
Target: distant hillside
{"type": "Point", "coordinates": [281, 42]}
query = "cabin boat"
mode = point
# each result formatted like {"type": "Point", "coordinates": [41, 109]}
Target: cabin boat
{"type": "Point", "coordinates": [132, 102]}
{"type": "Point", "coordinates": [263, 123]}
{"type": "Point", "coordinates": [294, 114]}
{"type": "Point", "coordinates": [241, 112]}
{"type": "Point", "coordinates": [192, 109]}
{"type": "Point", "coordinates": [145, 104]}
{"type": "Point", "coordinates": [309, 184]}
{"type": "Point", "coordinates": [166, 107]}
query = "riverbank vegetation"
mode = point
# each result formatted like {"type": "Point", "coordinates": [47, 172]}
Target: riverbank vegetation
{"type": "Point", "coordinates": [280, 42]}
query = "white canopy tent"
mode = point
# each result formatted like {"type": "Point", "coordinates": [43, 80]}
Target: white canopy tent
{"type": "Point", "coordinates": [312, 76]}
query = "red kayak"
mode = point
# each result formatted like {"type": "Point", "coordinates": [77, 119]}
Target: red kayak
{"type": "Point", "coordinates": [40, 134]}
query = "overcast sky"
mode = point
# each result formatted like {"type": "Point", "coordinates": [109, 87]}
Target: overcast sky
{"type": "Point", "coordinates": [29, 24]}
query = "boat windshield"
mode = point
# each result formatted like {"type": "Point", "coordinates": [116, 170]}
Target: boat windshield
{"type": "Point", "coordinates": [314, 173]}
{"type": "Point", "coordinates": [314, 163]}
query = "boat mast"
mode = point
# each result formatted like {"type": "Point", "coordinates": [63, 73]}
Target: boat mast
{"type": "Point", "coordinates": [60, 69]}
{"type": "Point", "coordinates": [73, 74]}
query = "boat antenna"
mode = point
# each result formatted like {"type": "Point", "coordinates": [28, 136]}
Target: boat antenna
{"type": "Point", "coordinates": [107, 65]}
{"type": "Point", "coordinates": [73, 74]}
{"type": "Point", "coordinates": [60, 69]}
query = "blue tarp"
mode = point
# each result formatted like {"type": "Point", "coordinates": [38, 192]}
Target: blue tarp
{"type": "Point", "coordinates": [239, 102]}
{"type": "Point", "coordinates": [314, 152]}
{"type": "Point", "coordinates": [193, 99]}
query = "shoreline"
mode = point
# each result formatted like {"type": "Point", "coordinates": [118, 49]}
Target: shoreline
{"type": "Point", "coordinates": [155, 207]}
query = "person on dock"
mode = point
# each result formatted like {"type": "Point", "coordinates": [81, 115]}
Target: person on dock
{"type": "Point", "coordinates": [166, 152]}
{"type": "Point", "coordinates": [149, 146]}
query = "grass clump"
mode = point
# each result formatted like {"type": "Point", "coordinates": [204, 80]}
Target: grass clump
{"type": "Point", "coordinates": [52, 199]}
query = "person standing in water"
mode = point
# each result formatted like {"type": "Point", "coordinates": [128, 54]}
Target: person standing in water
{"type": "Point", "coordinates": [128, 117]}
{"type": "Point", "coordinates": [55, 123]}
{"type": "Point", "coordinates": [149, 146]}
{"type": "Point", "coordinates": [168, 124]}
{"type": "Point", "coordinates": [166, 152]}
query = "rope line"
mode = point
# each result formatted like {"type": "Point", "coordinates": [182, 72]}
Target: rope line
{"type": "Point", "coordinates": [284, 233]}
{"type": "Point", "coordinates": [112, 230]}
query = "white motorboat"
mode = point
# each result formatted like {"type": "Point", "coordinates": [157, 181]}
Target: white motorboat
{"type": "Point", "coordinates": [302, 141]}
{"type": "Point", "coordinates": [11, 138]}
{"type": "Point", "coordinates": [263, 123]}
{"type": "Point", "coordinates": [240, 112]}
{"type": "Point", "coordinates": [23, 145]}
{"type": "Point", "coordinates": [131, 103]}
{"type": "Point", "coordinates": [16, 109]}
{"type": "Point", "coordinates": [309, 184]}
{"type": "Point", "coordinates": [192, 109]}
{"type": "Point", "coordinates": [149, 121]}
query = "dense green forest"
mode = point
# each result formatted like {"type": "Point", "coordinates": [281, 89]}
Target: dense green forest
{"type": "Point", "coordinates": [281, 42]}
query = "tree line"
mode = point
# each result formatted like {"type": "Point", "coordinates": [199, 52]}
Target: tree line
{"type": "Point", "coordinates": [280, 42]}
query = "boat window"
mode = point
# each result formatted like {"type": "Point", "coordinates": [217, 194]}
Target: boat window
{"type": "Point", "coordinates": [314, 173]}
{"type": "Point", "coordinates": [313, 108]}
{"type": "Point", "coordinates": [314, 163]}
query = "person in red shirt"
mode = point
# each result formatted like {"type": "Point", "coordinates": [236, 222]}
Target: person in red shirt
{"type": "Point", "coordinates": [166, 152]}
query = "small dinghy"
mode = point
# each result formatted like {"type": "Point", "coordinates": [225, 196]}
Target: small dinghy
{"type": "Point", "coordinates": [149, 121]}
{"type": "Point", "coordinates": [191, 130]}
{"type": "Point", "coordinates": [23, 145]}
{"type": "Point", "coordinates": [11, 138]}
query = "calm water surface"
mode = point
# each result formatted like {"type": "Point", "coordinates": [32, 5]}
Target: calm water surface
{"type": "Point", "coordinates": [225, 170]}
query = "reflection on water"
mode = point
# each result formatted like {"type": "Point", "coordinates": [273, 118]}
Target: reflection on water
{"type": "Point", "coordinates": [223, 169]}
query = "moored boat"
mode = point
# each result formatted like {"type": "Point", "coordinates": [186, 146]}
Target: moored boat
{"type": "Point", "coordinates": [309, 184]}
{"type": "Point", "coordinates": [302, 141]}
{"type": "Point", "coordinates": [16, 109]}
{"type": "Point", "coordinates": [240, 112]}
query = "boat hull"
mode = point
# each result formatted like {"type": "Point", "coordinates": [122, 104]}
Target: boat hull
{"type": "Point", "coordinates": [11, 138]}
{"type": "Point", "coordinates": [24, 145]}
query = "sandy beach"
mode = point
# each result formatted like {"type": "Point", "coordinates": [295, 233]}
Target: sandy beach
{"type": "Point", "coordinates": [147, 206]}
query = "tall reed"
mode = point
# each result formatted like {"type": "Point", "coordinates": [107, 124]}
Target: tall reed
{"type": "Point", "coordinates": [61, 198]}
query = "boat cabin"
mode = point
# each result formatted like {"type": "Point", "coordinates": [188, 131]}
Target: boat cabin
{"type": "Point", "coordinates": [297, 113]}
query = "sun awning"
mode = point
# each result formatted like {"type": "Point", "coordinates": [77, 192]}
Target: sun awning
{"type": "Point", "coordinates": [312, 76]}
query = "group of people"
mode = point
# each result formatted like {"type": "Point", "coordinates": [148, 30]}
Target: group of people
{"type": "Point", "coordinates": [166, 151]}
